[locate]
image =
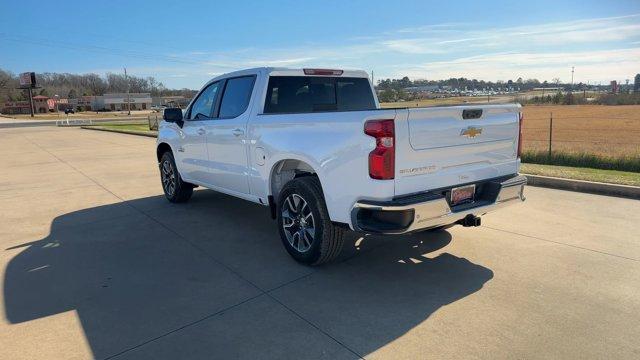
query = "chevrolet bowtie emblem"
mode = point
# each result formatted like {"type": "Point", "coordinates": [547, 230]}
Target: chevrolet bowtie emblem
{"type": "Point", "coordinates": [471, 132]}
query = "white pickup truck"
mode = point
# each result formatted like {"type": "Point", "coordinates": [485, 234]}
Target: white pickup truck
{"type": "Point", "coordinates": [315, 146]}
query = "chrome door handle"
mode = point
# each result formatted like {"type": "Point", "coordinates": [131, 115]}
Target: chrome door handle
{"type": "Point", "coordinates": [237, 132]}
{"type": "Point", "coordinates": [201, 131]}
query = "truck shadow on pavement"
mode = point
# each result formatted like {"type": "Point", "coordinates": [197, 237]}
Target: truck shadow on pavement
{"type": "Point", "coordinates": [135, 272]}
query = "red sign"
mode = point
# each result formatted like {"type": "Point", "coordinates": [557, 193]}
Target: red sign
{"type": "Point", "coordinates": [28, 79]}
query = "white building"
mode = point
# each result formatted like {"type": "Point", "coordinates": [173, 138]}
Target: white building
{"type": "Point", "coordinates": [171, 101]}
{"type": "Point", "coordinates": [120, 101]}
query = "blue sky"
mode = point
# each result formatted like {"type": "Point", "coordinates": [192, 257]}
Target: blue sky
{"type": "Point", "coordinates": [184, 43]}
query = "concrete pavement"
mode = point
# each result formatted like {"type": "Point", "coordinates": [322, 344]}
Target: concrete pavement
{"type": "Point", "coordinates": [95, 263]}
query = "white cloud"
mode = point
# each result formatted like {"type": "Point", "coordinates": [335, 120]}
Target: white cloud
{"type": "Point", "coordinates": [413, 46]}
{"type": "Point", "coordinates": [590, 66]}
{"type": "Point", "coordinates": [280, 62]}
{"type": "Point", "coordinates": [554, 34]}
{"type": "Point", "coordinates": [601, 49]}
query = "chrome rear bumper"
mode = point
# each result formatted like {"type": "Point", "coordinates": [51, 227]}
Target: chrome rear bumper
{"type": "Point", "coordinates": [432, 209]}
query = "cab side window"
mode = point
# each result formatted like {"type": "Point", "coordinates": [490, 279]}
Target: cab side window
{"type": "Point", "coordinates": [203, 107]}
{"type": "Point", "coordinates": [237, 94]}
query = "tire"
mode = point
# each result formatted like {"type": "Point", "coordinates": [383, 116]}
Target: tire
{"type": "Point", "coordinates": [175, 190]}
{"type": "Point", "coordinates": [302, 210]}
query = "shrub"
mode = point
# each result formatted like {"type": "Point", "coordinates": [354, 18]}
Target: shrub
{"type": "Point", "coordinates": [619, 99]}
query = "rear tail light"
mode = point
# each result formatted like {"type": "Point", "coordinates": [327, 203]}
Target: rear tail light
{"type": "Point", "coordinates": [521, 117]}
{"type": "Point", "coordinates": [322, 72]}
{"type": "Point", "coordinates": [382, 159]}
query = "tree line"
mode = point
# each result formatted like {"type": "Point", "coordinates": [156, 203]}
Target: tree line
{"type": "Point", "coordinates": [390, 90]}
{"type": "Point", "coordinates": [73, 86]}
{"type": "Point", "coordinates": [395, 89]}
{"type": "Point", "coordinates": [471, 84]}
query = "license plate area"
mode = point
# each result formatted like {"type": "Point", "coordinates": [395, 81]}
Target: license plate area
{"type": "Point", "coordinates": [462, 195]}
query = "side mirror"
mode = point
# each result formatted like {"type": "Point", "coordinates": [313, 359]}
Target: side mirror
{"type": "Point", "coordinates": [173, 115]}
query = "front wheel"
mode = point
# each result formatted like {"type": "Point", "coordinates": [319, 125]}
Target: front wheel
{"type": "Point", "coordinates": [304, 224]}
{"type": "Point", "coordinates": [175, 190]}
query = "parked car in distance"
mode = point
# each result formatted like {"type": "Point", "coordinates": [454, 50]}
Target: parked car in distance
{"type": "Point", "coordinates": [314, 146]}
{"type": "Point", "coordinates": [69, 111]}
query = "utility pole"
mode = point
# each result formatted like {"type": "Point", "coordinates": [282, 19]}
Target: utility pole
{"type": "Point", "coordinates": [626, 88]}
{"type": "Point", "coordinates": [128, 96]}
{"type": "Point", "coordinates": [572, 70]}
{"type": "Point", "coordinates": [31, 101]}
{"type": "Point", "coordinates": [372, 79]}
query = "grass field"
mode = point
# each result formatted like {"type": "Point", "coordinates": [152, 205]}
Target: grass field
{"type": "Point", "coordinates": [458, 100]}
{"type": "Point", "coordinates": [138, 128]}
{"type": "Point", "coordinates": [597, 175]}
{"type": "Point", "coordinates": [80, 115]}
{"type": "Point", "coordinates": [607, 132]}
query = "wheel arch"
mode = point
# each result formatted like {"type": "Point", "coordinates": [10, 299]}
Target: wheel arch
{"type": "Point", "coordinates": [285, 170]}
{"type": "Point", "coordinates": [161, 149]}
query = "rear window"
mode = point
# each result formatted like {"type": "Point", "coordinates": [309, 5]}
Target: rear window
{"type": "Point", "coordinates": [306, 94]}
{"type": "Point", "coordinates": [237, 94]}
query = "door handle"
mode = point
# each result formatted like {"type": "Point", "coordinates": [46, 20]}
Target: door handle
{"type": "Point", "coordinates": [201, 131]}
{"type": "Point", "coordinates": [237, 132]}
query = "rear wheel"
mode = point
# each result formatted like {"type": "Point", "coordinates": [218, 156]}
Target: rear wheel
{"type": "Point", "coordinates": [175, 190]}
{"type": "Point", "coordinates": [303, 221]}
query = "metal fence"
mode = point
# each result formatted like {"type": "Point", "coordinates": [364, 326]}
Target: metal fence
{"type": "Point", "coordinates": [613, 136]}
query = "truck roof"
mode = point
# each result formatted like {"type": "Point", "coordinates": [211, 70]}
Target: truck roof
{"type": "Point", "coordinates": [282, 71]}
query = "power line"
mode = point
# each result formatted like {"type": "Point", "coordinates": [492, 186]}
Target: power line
{"type": "Point", "coordinates": [98, 49]}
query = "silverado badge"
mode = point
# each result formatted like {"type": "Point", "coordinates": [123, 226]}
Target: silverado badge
{"type": "Point", "coordinates": [471, 132]}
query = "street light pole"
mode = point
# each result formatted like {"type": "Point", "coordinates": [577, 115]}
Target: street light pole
{"type": "Point", "coordinates": [572, 70]}
{"type": "Point", "coordinates": [57, 99]}
{"type": "Point", "coordinates": [128, 96]}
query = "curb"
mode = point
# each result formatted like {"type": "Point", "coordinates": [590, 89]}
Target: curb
{"type": "Point", "coordinates": [129, 132]}
{"type": "Point", "coordinates": [625, 191]}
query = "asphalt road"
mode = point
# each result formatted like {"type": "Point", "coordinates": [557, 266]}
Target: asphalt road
{"type": "Point", "coordinates": [94, 262]}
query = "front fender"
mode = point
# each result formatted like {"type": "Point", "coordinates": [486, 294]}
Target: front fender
{"type": "Point", "coordinates": [169, 134]}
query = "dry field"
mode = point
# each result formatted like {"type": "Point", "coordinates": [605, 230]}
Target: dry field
{"type": "Point", "coordinates": [595, 129]}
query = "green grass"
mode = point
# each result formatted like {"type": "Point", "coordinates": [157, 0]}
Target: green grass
{"type": "Point", "coordinates": [588, 174]}
{"type": "Point", "coordinates": [135, 127]}
{"type": "Point", "coordinates": [583, 160]}
{"type": "Point", "coordinates": [142, 128]}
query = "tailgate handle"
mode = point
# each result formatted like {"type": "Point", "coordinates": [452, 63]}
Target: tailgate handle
{"type": "Point", "coordinates": [471, 114]}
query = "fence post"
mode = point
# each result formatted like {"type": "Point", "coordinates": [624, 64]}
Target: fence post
{"type": "Point", "coordinates": [550, 132]}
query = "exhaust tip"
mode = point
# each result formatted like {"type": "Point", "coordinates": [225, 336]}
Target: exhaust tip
{"type": "Point", "coordinates": [470, 220]}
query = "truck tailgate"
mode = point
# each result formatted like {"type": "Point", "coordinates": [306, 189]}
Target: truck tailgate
{"type": "Point", "coordinates": [446, 146]}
